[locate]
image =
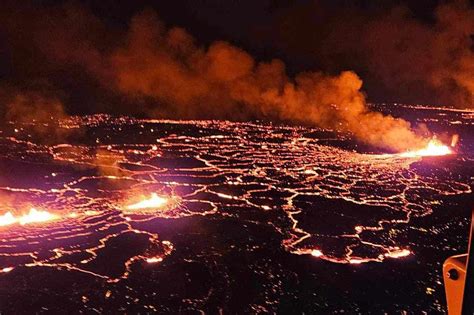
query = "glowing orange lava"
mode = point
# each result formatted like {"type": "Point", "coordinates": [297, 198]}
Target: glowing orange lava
{"type": "Point", "coordinates": [433, 148]}
{"type": "Point", "coordinates": [34, 216]}
{"type": "Point", "coordinates": [224, 178]}
{"type": "Point", "coordinates": [154, 202]}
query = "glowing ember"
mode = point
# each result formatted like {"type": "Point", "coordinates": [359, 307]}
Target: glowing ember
{"type": "Point", "coordinates": [154, 202]}
{"type": "Point", "coordinates": [34, 216]}
{"type": "Point", "coordinates": [434, 148]}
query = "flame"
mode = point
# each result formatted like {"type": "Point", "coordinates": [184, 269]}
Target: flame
{"type": "Point", "coordinates": [153, 202]}
{"type": "Point", "coordinates": [34, 216]}
{"type": "Point", "coordinates": [433, 148]}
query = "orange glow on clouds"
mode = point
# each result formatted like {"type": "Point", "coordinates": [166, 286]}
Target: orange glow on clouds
{"type": "Point", "coordinates": [33, 216]}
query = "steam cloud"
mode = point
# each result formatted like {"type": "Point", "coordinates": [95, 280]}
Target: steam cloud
{"type": "Point", "coordinates": [169, 75]}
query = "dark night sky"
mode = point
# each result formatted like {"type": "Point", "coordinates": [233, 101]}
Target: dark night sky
{"type": "Point", "coordinates": [256, 25]}
{"type": "Point", "coordinates": [329, 36]}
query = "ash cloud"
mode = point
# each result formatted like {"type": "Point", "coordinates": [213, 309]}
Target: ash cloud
{"type": "Point", "coordinates": [158, 71]}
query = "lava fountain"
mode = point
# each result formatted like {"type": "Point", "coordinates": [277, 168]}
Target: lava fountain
{"type": "Point", "coordinates": [433, 148]}
{"type": "Point", "coordinates": [153, 202]}
{"type": "Point", "coordinates": [33, 216]}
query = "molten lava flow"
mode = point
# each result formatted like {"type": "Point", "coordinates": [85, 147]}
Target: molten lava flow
{"type": "Point", "coordinates": [154, 202]}
{"type": "Point", "coordinates": [433, 148]}
{"type": "Point", "coordinates": [274, 172]}
{"type": "Point", "coordinates": [34, 216]}
{"type": "Point", "coordinates": [7, 219]}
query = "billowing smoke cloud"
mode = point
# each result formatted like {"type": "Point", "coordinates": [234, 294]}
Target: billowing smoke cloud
{"type": "Point", "coordinates": [175, 77]}
{"type": "Point", "coordinates": [225, 81]}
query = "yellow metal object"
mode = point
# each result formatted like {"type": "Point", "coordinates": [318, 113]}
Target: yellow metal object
{"type": "Point", "coordinates": [459, 279]}
{"type": "Point", "coordinates": [454, 274]}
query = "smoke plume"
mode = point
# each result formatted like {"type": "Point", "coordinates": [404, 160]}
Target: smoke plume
{"type": "Point", "coordinates": [225, 81]}
{"type": "Point", "coordinates": [163, 72]}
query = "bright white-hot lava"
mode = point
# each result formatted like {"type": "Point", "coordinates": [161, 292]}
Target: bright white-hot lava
{"type": "Point", "coordinates": [153, 260]}
{"type": "Point", "coordinates": [153, 202]}
{"type": "Point", "coordinates": [7, 219]}
{"type": "Point", "coordinates": [398, 253]}
{"type": "Point", "coordinates": [33, 216]}
{"type": "Point", "coordinates": [433, 148]}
